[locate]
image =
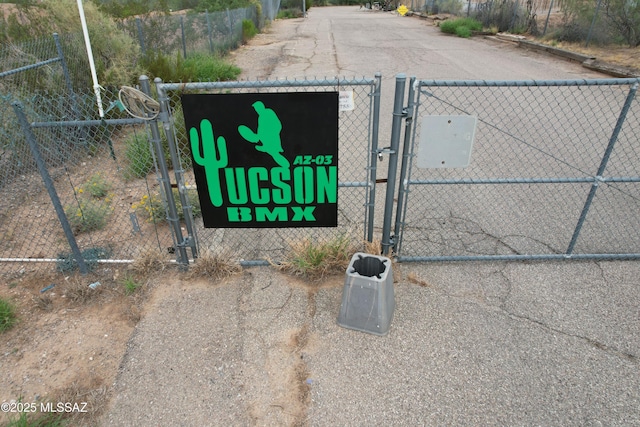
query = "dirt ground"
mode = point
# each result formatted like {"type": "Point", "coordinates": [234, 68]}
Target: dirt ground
{"type": "Point", "coordinates": [69, 340]}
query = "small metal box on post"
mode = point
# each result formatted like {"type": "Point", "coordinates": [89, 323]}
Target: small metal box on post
{"type": "Point", "coordinates": [367, 297]}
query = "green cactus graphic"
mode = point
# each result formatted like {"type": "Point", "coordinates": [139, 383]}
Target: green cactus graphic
{"type": "Point", "coordinates": [213, 158]}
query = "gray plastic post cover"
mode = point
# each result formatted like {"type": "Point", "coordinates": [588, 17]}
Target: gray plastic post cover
{"type": "Point", "coordinates": [367, 297]}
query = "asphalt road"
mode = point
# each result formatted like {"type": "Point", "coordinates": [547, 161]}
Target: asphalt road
{"type": "Point", "coordinates": [549, 343]}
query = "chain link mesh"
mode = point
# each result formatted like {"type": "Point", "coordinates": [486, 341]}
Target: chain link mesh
{"type": "Point", "coordinates": [536, 155]}
{"type": "Point", "coordinates": [188, 33]}
{"type": "Point", "coordinates": [104, 173]}
{"type": "Point", "coordinates": [353, 172]}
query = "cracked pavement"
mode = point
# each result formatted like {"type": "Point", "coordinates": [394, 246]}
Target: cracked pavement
{"type": "Point", "coordinates": [552, 343]}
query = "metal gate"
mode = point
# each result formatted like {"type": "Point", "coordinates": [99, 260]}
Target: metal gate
{"type": "Point", "coordinates": [357, 157]}
{"type": "Point", "coordinates": [554, 173]}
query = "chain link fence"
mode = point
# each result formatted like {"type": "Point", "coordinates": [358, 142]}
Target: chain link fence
{"type": "Point", "coordinates": [357, 140]}
{"type": "Point", "coordinates": [187, 32]}
{"type": "Point", "coordinates": [214, 32]}
{"type": "Point", "coordinates": [103, 171]}
{"type": "Point", "coordinates": [554, 173]}
{"type": "Point", "coordinates": [113, 195]}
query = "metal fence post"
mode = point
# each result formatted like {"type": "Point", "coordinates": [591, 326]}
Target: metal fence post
{"type": "Point", "coordinates": [396, 127]}
{"type": "Point", "coordinates": [177, 166]}
{"type": "Point", "coordinates": [140, 36]}
{"type": "Point", "coordinates": [406, 157]}
{"type": "Point", "coordinates": [184, 41]}
{"type": "Point", "coordinates": [515, 15]}
{"type": "Point", "coordinates": [209, 32]}
{"type": "Point", "coordinates": [65, 70]}
{"type": "Point", "coordinates": [374, 158]}
{"type": "Point", "coordinates": [546, 22]}
{"type": "Point", "coordinates": [603, 164]}
{"type": "Point", "coordinates": [593, 22]}
{"type": "Point", "coordinates": [81, 132]}
{"type": "Point", "coordinates": [165, 182]}
{"type": "Point", "coordinates": [48, 183]}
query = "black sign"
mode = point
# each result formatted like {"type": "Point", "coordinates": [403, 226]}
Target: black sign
{"type": "Point", "coordinates": [265, 160]}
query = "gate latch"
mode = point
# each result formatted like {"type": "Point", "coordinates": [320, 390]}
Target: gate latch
{"type": "Point", "coordinates": [385, 150]}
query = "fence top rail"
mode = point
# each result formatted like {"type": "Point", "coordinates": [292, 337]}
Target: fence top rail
{"type": "Point", "coordinates": [88, 123]}
{"type": "Point", "coordinates": [257, 84]}
{"type": "Point", "coordinates": [29, 67]}
{"type": "Point", "coordinates": [527, 83]}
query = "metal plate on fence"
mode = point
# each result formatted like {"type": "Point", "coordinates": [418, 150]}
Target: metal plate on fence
{"type": "Point", "coordinates": [446, 141]}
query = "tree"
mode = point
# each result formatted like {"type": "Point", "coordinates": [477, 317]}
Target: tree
{"type": "Point", "coordinates": [624, 16]}
{"type": "Point", "coordinates": [621, 20]}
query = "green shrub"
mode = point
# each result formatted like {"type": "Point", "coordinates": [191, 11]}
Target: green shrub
{"type": "Point", "coordinates": [192, 197]}
{"type": "Point", "coordinates": [152, 208]}
{"type": "Point", "coordinates": [88, 214]}
{"type": "Point", "coordinates": [462, 27]}
{"type": "Point", "coordinates": [130, 285]}
{"type": "Point", "coordinates": [249, 30]}
{"type": "Point", "coordinates": [448, 27]}
{"type": "Point", "coordinates": [97, 186]}
{"type": "Point", "coordinates": [464, 32]}
{"type": "Point", "coordinates": [289, 13]}
{"type": "Point", "coordinates": [7, 315]}
{"type": "Point", "coordinates": [206, 67]}
{"type": "Point", "coordinates": [138, 155]}
{"type": "Point", "coordinates": [115, 55]}
{"type": "Point", "coordinates": [505, 15]}
{"type": "Point", "coordinates": [67, 261]}
{"type": "Point", "coordinates": [199, 66]}
{"type": "Point", "coordinates": [154, 211]}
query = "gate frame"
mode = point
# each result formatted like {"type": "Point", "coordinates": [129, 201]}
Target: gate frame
{"type": "Point", "coordinates": [394, 242]}
{"type": "Point", "coordinates": [162, 89]}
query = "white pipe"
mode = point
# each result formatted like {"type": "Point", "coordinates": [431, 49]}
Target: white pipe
{"type": "Point", "coordinates": [100, 261]}
{"type": "Point", "coordinates": [92, 65]}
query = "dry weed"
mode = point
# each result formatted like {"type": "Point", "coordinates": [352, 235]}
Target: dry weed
{"type": "Point", "coordinates": [413, 278]}
{"type": "Point", "coordinates": [93, 394]}
{"type": "Point", "coordinates": [373, 248]}
{"type": "Point", "coordinates": [148, 263]}
{"type": "Point", "coordinates": [315, 260]}
{"type": "Point", "coordinates": [214, 264]}
{"type": "Point", "coordinates": [77, 290]}
{"type": "Point", "coordinates": [43, 302]}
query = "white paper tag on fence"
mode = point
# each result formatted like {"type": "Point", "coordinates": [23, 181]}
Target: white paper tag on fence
{"type": "Point", "coordinates": [346, 100]}
{"type": "Point", "coordinates": [446, 141]}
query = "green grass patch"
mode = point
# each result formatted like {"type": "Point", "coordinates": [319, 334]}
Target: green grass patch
{"type": "Point", "coordinates": [97, 186]}
{"type": "Point", "coordinates": [464, 32]}
{"type": "Point", "coordinates": [34, 419]}
{"type": "Point", "coordinates": [199, 66]}
{"type": "Point", "coordinates": [462, 27]}
{"type": "Point", "coordinates": [249, 30]}
{"type": "Point", "coordinates": [130, 285]}
{"type": "Point", "coordinates": [289, 13]}
{"type": "Point", "coordinates": [8, 315]}
{"type": "Point", "coordinates": [209, 68]}
{"type": "Point", "coordinates": [138, 155]}
{"type": "Point", "coordinates": [315, 259]}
